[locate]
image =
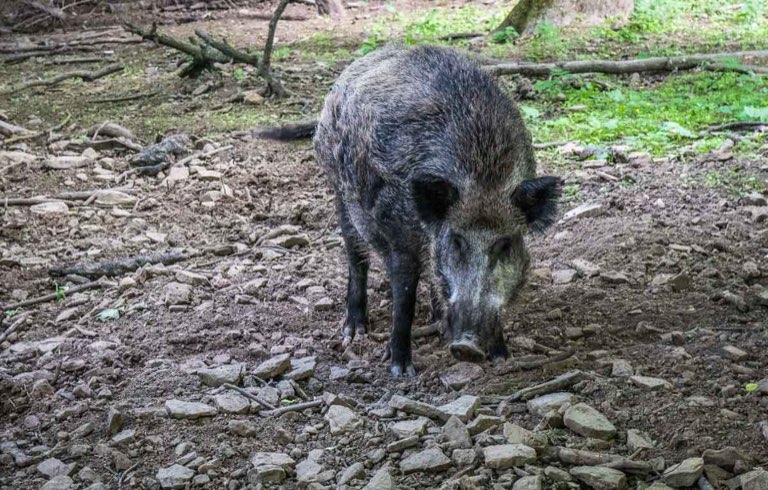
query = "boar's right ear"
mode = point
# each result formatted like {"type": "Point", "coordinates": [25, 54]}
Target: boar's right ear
{"type": "Point", "coordinates": [433, 197]}
{"type": "Point", "coordinates": [537, 198]}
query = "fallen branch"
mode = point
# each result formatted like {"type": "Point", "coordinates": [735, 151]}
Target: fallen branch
{"type": "Point", "coordinates": [37, 134]}
{"type": "Point", "coordinates": [16, 325]}
{"type": "Point", "coordinates": [124, 98]}
{"type": "Point", "coordinates": [74, 61]}
{"type": "Point", "coordinates": [672, 63]}
{"type": "Point", "coordinates": [31, 201]}
{"type": "Point", "coordinates": [563, 381]}
{"type": "Point", "coordinates": [736, 126]}
{"type": "Point", "coordinates": [112, 268]}
{"type": "Point", "coordinates": [590, 458]}
{"type": "Point", "coordinates": [461, 35]}
{"type": "Point", "coordinates": [522, 365]}
{"type": "Point", "coordinates": [87, 76]}
{"type": "Point", "coordinates": [8, 129]}
{"type": "Point", "coordinates": [53, 296]}
{"type": "Point", "coordinates": [227, 50]}
{"type": "Point", "coordinates": [250, 396]}
{"type": "Point", "coordinates": [292, 408]}
{"type": "Point", "coordinates": [54, 12]}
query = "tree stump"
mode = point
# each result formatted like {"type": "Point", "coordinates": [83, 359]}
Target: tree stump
{"type": "Point", "coordinates": [527, 13]}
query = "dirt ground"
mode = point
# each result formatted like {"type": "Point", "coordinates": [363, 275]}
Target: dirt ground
{"type": "Point", "coordinates": [668, 274]}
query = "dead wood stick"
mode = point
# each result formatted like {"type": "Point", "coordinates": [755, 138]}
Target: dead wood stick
{"type": "Point", "coordinates": [12, 49]}
{"type": "Point", "coordinates": [292, 408]}
{"type": "Point", "coordinates": [81, 195]}
{"type": "Point", "coordinates": [201, 154]}
{"type": "Point", "coordinates": [736, 125]}
{"type": "Point", "coordinates": [526, 365]}
{"type": "Point", "coordinates": [87, 76]}
{"type": "Point", "coordinates": [54, 12]}
{"type": "Point", "coordinates": [672, 63]}
{"type": "Point", "coordinates": [8, 129]}
{"type": "Point", "coordinates": [50, 297]}
{"type": "Point", "coordinates": [31, 201]}
{"type": "Point", "coordinates": [250, 396]}
{"type": "Point", "coordinates": [124, 98]}
{"type": "Point", "coordinates": [461, 35]}
{"type": "Point", "coordinates": [244, 14]}
{"type": "Point", "coordinates": [112, 268]}
{"type": "Point", "coordinates": [563, 381]}
{"type": "Point", "coordinates": [12, 166]}
{"type": "Point", "coordinates": [224, 47]}
{"type": "Point", "coordinates": [590, 458]}
{"type": "Point", "coordinates": [74, 61]}
{"type": "Point", "coordinates": [16, 325]}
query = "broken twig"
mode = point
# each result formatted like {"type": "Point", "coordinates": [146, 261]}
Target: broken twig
{"type": "Point", "coordinates": [88, 76]}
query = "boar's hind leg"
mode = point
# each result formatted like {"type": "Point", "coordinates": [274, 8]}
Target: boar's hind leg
{"type": "Point", "coordinates": [404, 276]}
{"type": "Point", "coordinates": [357, 283]}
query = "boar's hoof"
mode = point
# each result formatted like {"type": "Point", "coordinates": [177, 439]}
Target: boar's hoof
{"type": "Point", "coordinates": [467, 350]}
{"type": "Point", "coordinates": [398, 370]}
{"type": "Point", "coordinates": [351, 330]}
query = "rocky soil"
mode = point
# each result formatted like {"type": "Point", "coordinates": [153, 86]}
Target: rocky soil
{"type": "Point", "coordinates": [223, 368]}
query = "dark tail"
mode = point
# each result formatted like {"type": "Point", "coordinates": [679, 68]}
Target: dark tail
{"type": "Point", "coordinates": [290, 132]}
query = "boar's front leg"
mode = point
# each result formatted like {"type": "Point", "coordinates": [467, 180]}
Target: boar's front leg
{"type": "Point", "coordinates": [404, 270]}
{"type": "Point", "coordinates": [357, 283]}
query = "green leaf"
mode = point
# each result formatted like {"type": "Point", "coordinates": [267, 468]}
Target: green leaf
{"type": "Point", "coordinates": [108, 314]}
{"type": "Point", "coordinates": [675, 129]}
{"type": "Point", "coordinates": [751, 387]}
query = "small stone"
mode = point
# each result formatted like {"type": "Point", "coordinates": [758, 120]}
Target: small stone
{"type": "Point", "coordinates": [399, 445]}
{"type": "Point", "coordinates": [205, 174]}
{"type": "Point", "coordinates": [176, 174]}
{"type": "Point", "coordinates": [382, 480]}
{"type": "Point", "coordinates": [229, 373]}
{"type": "Point", "coordinates": [274, 367]}
{"type": "Point", "coordinates": [406, 428]}
{"type": "Point", "coordinates": [302, 368]}
{"type": "Point", "coordinates": [588, 422]}
{"type": "Point", "coordinates": [177, 293]}
{"type": "Point", "coordinates": [270, 474]}
{"type": "Point", "coordinates": [684, 474]}
{"type": "Point", "coordinates": [341, 419]}
{"type": "Point", "coordinates": [583, 211]}
{"type": "Point", "coordinates": [528, 483]}
{"type": "Point", "coordinates": [614, 277]}
{"type": "Point", "coordinates": [307, 471]}
{"type": "Point", "coordinates": [733, 353]}
{"type": "Point", "coordinates": [417, 408]}
{"type": "Point", "coordinates": [52, 467]}
{"type": "Point", "coordinates": [651, 384]}
{"type": "Point", "coordinates": [463, 408]}
{"type": "Point", "coordinates": [457, 433]}
{"type": "Point", "coordinates": [49, 208]}
{"type": "Point", "coordinates": [600, 478]}
{"type": "Point", "coordinates": [252, 97]}
{"type": "Point", "coordinates": [556, 474]}
{"type": "Point", "coordinates": [242, 428]}
{"type": "Point", "coordinates": [563, 276]}
{"type": "Point", "coordinates": [178, 409]}
{"type": "Point", "coordinates": [174, 476]}
{"type": "Point", "coordinates": [429, 460]}
{"type": "Point", "coordinates": [124, 437]}
{"type": "Point", "coordinates": [552, 401]}
{"type": "Point", "coordinates": [659, 486]}
{"type": "Point", "coordinates": [724, 458]}
{"type": "Point", "coordinates": [289, 241]}
{"type": "Point", "coordinates": [585, 268]}
{"type": "Point", "coordinates": [324, 304]}
{"type": "Point", "coordinates": [463, 457]}
{"type": "Point", "coordinates": [460, 375]}
{"type": "Point", "coordinates": [353, 472]}
{"type": "Point", "coordinates": [67, 162]}
{"type": "Point", "coordinates": [755, 199]}
{"type": "Point", "coordinates": [108, 198]}
{"type": "Point", "coordinates": [621, 368]}
{"type": "Point", "coordinates": [483, 423]}
{"type": "Point", "coordinates": [60, 482]}
{"type": "Point", "coordinates": [192, 278]}
{"type": "Point", "coordinates": [637, 440]}
{"type": "Point", "coordinates": [504, 456]}
{"type": "Point", "coordinates": [754, 480]}
{"type": "Point", "coordinates": [229, 402]}
{"type": "Point", "coordinates": [259, 459]}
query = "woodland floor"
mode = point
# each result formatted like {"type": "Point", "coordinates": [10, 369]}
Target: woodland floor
{"type": "Point", "coordinates": [679, 248]}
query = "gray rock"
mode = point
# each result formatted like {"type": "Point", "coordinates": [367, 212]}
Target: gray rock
{"type": "Point", "coordinates": [241, 428]}
{"type": "Point", "coordinates": [114, 421]}
{"type": "Point", "coordinates": [174, 476]}
{"type": "Point", "coordinates": [288, 241]}
{"type": "Point", "coordinates": [638, 440]}
{"type": "Point", "coordinates": [259, 459]}
{"type": "Point", "coordinates": [583, 211]}
{"type": "Point", "coordinates": [52, 467]}
{"type": "Point", "coordinates": [684, 474]}
{"type": "Point", "coordinates": [274, 367]}
{"type": "Point", "coordinates": [67, 162]}
{"type": "Point", "coordinates": [177, 293]}
{"type": "Point", "coordinates": [557, 474]}
{"type": "Point", "coordinates": [230, 402]}
{"type": "Point", "coordinates": [307, 471]}
{"type": "Point", "coordinates": [650, 384]}
{"type": "Point", "coordinates": [563, 276]}
{"type": "Point", "coordinates": [463, 457]}
{"type": "Point", "coordinates": [659, 486]}
{"type": "Point", "coordinates": [755, 199]}
{"type": "Point", "coordinates": [457, 433]}
{"type": "Point", "coordinates": [229, 373]}
{"type": "Point", "coordinates": [60, 482]}
{"type": "Point", "coordinates": [382, 480]}
{"type": "Point", "coordinates": [178, 409]}
{"type": "Point", "coordinates": [49, 208]}
{"type": "Point", "coordinates": [192, 278]}
{"type": "Point", "coordinates": [353, 472]}
{"type": "Point", "coordinates": [483, 423]}
{"type": "Point", "coordinates": [270, 474]}
{"type": "Point", "coordinates": [460, 375]}
{"type": "Point", "coordinates": [401, 444]}
{"type": "Point", "coordinates": [754, 480]}
{"type": "Point", "coordinates": [341, 419]}
{"type": "Point", "coordinates": [552, 401]}
{"type": "Point", "coordinates": [430, 460]}
{"type": "Point", "coordinates": [406, 428]}
{"type": "Point", "coordinates": [504, 456]}
{"type": "Point", "coordinates": [417, 408]}
{"type": "Point", "coordinates": [463, 408]}
{"type": "Point", "coordinates": [725, 458]}
{"type": "Point", "coordinates": [302, 368]}
{"type": "Point", "coordinates": [588, 422]}
{"type": "Point", "coordinates": [733, 353]}
{"type": "Point", "coordinates": [621, 368]}
{"type": "Point", "coordinates": [124, 437]}
{"type": "Point", "coordinates": [585, 268]}
{"type": "Point", "coordinates": [600, 478]}
{"type": "Point", "coordinates": [324, 304]}
{"type": "Point", "coordinates": [528, 483]}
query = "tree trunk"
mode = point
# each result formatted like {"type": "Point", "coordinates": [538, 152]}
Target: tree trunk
{"type": "Point", "coordinates": [527, 13]}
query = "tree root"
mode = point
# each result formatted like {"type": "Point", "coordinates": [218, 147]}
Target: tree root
{"type": "Point", "coordinates": [564, 380]}
{"type": "Point", "coordinates": [87, 76]}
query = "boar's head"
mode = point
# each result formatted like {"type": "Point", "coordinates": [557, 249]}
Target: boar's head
{"type": "Point", "coordinates": [479, 252]}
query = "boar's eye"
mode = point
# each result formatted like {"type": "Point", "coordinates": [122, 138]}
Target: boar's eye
{"type": "Point", "coordinates": [458, 243]}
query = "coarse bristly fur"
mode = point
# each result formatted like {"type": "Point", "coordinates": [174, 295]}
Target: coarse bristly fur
{"type": "Point", "coordinates": [433, 167]}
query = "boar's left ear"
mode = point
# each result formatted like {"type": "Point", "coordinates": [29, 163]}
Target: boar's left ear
{"type": "Point", "coordinates": [537, 198]}
{"type": "Point", "coordinates": [433, 197]}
